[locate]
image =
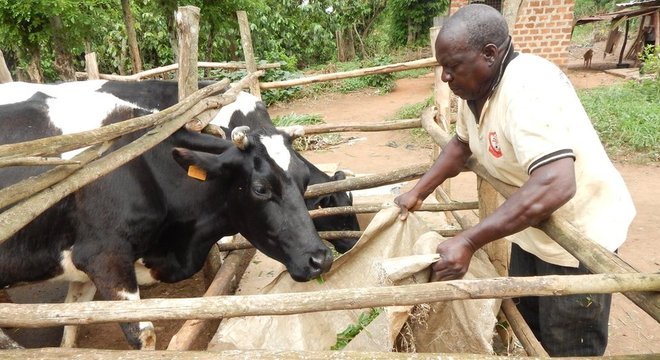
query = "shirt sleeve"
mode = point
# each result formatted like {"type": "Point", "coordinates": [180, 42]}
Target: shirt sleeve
{"type": "Point", "coordinates": [538, 121]}
{"type": "Point", "coordinates": [461, 126]}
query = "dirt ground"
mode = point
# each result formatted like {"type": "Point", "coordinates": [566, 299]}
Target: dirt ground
{"type": "Point", "coordinates": [631, 330]}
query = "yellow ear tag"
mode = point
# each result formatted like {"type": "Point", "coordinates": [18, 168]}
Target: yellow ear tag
{"type": "Point", "coordinates": [196, 172]}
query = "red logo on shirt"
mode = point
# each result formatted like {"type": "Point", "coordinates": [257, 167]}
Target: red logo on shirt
{"type": "Point", "coordinates": [494, 145]}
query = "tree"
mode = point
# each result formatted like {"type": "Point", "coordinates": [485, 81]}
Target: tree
{"type": "Point", "coordinates": [411, 18]}
{"type": "Point", "coordinates": [131, 35]}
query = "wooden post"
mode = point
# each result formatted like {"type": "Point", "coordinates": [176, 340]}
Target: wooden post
{"type": "Point", "coordinates": [91, 66]}
{"type": "Point", "coordinates": [510, 10]}
{"type": "Point", "coordinates": [187, 25]}
{"type": "Point", "coordinates": [248, 51]}
{"type": "Point", "coordinates": [519, 326]}
{"type": "Point", "coordinates": [5, 75]}
{"type": "Point", "coordinates": [656, 25]}
{"type": "Point", "coordinates": [441, 99]}
{"type": "Point", "coordinates": [498, 250]}
{"type": "Point", "coordinates": [225, 282]}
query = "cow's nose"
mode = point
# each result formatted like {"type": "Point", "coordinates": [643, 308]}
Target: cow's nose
{"type": "Point", "coordinates": [321, 260]}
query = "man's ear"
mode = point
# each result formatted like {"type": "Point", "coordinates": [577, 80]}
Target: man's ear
{"type": "Point", "coordinates": [490, 53]}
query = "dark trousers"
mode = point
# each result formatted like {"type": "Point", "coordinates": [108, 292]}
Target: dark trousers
{"type": "Point", "coordinates": [572, 325]}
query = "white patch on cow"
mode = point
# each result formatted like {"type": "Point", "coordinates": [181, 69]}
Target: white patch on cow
{"type": "Point", "coordinates": [277, 150]}
{"type": "Point", "coordinates": [245, 103]}
{"type": "Point", "coordinates": [126, 295]}
{"type": "Point", "coordinates": [143, 274]}
{"type": "Point", "coordinates": [20, 91]}
{"type": "Point", "coordinates": [70, 271]}
{"type": "Point", "coordinates": [74, 114]}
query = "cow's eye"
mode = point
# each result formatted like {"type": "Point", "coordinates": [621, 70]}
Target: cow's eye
{"type": "Point", "coordinates": [261, 190]}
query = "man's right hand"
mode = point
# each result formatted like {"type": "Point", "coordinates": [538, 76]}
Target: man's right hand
{"type": "Point", "coordinates": [408, 202]}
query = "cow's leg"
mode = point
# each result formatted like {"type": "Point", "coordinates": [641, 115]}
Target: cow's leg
{"type": "Point", "coordinates": [78, 292]}
{"type": "Point", "coordinates": [110, 266]}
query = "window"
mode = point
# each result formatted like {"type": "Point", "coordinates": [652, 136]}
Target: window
{"type": "Point", "coordinates": [497, 4]}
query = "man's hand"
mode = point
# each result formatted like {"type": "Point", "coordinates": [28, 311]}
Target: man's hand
{"type": "Point", "coordinates": [455, 256]}
{"type": "Point", "coordinates": [408, 201]}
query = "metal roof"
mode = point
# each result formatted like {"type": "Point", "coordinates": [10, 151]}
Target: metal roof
{"type": "Point", "coordinates": [617, 15]}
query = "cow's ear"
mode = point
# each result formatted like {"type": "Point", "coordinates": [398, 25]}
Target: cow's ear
{"type": "Point", "coordinates": [199, 165]}
{"type": "Point", "coordinates": [339, 175]}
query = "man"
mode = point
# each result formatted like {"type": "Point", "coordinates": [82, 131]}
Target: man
{"type": "Point", "coordinates": [520, 117]}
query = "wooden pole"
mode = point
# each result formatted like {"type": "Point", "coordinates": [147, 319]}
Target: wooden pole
{"type": "Point", "coordinates": [96, 354]}
{"type": "Point", "coordinates": [374, 208]}
{"type": "Point", "coordinates": [364, 182]}
{"type": "Point", "coordinates": [36, 161]}
{"type": "Point", "coordinates": [442, 99]}
{"type": "Point", "coordinates": [248, 51]}
{"type": "Point", "coordinates": [498, 250]}
{"type": "Point", "coordinates": [5, 75]}
{"type": "Point", "coordinates": [382, 126]}
{"type": "Point", "coordinates": [519, 326]}
{"type": "Point", "coordinates": [656, 25]}
{"type": "Point", "coordinates": [28, 187]}
{"type": "Point", "coordinates": [595, 258]}
{"type": "Point", "coordinates": [232, 65]}
{"type": "Point", "coordinates": [352, 234]}
{"type": "Point", "coordinates": [215, 307]}
{"type": "Point", "coordinates": [187, 26]}
{"type": "Point", "coordinates": [225, 282]}
{"type": "Point", "coordinates": [384, 69]}
{"type": "Point", "coordinates": [623, 47]}
{"type": "Point", "coordinates": [91, 66]}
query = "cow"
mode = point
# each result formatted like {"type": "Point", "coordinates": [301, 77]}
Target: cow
{"type": "Point", "coordinates": [156, 95]}
{"type": "Point", "coordinates": [148, 221]}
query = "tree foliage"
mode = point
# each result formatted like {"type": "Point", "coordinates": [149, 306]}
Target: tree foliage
{"type": "Point", "coordinates": [296, 32]}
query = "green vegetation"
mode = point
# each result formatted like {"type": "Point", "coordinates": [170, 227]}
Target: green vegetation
{"type": "Point", "coordinates": [296, 119]}
{"type": "Point", "coordinates": [627, 118]}
{"type": "Point", "coordinates": [45, 40]}
{"type": "Point", "coordinates": [352, 330]}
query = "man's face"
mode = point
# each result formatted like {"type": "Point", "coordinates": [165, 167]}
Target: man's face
{"type": "Point", "coordinates": [468, 72]}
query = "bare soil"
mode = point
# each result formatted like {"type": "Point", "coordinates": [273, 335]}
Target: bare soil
{"type": "Point", "coordinates": [631, 330]}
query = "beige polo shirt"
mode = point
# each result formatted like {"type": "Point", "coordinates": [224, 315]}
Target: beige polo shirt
{"type": "Point", "coordinates": [535, 117]}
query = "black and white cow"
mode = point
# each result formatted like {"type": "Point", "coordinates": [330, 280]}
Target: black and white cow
{"type": "Point", "coordinates": [155, 95]}
{"type": "Point", "coordinates": [158, 95]}
{"type": "Point", "coordinates": [149, 221]}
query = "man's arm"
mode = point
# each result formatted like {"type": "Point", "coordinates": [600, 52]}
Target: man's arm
{"type": "Point", "coordinates": [547, 189]}
{"type": "Point", "coordinates": [449, 163]}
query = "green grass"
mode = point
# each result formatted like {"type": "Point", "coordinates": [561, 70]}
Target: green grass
{"type": "Point", "coordinates": [627, 118]}
{"type": "Point", "coordinates": [413, 111]}
{"type": "Point", "coordinates": [296, 119]}
{"type": "Point", "coordinates": [352, 330]}
{"type": "Point", "coordinates": [308, 142]}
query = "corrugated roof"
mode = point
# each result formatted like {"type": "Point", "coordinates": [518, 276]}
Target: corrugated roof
{"type": "Point", "coordinates": [616, 15]}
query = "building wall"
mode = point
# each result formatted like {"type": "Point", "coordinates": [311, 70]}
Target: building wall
{"type": "Point", "coordinates": [543, 27]}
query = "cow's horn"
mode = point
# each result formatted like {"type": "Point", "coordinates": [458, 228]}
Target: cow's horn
{"type": "Point", "coordinates": [239, 137]}
{"type": "Point", "coordinates": [294, 131]}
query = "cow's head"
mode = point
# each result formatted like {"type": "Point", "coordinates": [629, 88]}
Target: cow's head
{"type": "Point", "coordinates": [266, 202]}
{"type": "Point", "coordinates": [336, 222]}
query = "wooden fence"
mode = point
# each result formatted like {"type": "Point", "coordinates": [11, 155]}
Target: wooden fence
{"type": "Point", "coordinates": [611, 273]}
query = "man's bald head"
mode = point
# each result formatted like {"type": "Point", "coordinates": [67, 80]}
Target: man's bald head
{"type": "Point", "coordinates": [478, 25]}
